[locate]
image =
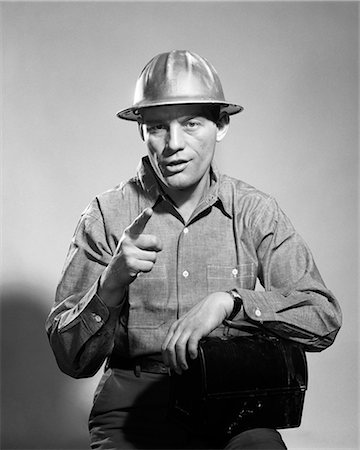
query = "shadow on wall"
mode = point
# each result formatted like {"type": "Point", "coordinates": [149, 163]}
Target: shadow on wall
{"type": "Point", "coordinates": [39, 409]}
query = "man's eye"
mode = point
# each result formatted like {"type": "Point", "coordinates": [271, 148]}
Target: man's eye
{"type": "Point", "coordinates": [192, 124]}
{"type": "Point", "coordinates": [156, 128]}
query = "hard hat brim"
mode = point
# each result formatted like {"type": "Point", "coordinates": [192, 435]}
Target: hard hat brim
{"type": "Point", "coordinates": [133, 113]}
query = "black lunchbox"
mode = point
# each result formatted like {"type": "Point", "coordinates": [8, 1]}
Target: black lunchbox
{"type": "Point", "coordinates": [242, 382]}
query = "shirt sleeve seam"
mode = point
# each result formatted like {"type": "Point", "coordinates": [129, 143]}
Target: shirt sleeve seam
{"type": "Point", "coordinates": [263, 209]}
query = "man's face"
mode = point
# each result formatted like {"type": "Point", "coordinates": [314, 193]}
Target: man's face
{"type": "Point", "coordinates": [181, 141]}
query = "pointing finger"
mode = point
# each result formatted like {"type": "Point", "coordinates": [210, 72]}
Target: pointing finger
{"type": "Point", "coordinates": [149, 242]}
{"type": "Point", "coordinates": [138, 225]}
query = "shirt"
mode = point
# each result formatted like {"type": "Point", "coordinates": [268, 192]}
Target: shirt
{"type": "Point", "coordinates": [236, 235]}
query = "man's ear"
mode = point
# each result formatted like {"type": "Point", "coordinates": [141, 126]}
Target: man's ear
{"type": "Point", "coordinates": [141, 130]}
{"type": "Point", "coordinates": [222, 126]}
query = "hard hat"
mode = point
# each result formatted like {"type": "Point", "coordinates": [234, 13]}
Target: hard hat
{"type": "Point", "coordinates": [177, 77]}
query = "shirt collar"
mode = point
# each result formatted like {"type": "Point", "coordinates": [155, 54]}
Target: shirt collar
{"type": "Point", "coordinates": [148, 181]}
{"type": "Point", "coordinates": [218, 191]}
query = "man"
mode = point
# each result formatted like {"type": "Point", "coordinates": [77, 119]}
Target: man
{"type": "Point", "coordinates": [172, 256]}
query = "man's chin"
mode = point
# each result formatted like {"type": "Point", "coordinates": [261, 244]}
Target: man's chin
{"type": "Point", "coordinates": [175, 183]}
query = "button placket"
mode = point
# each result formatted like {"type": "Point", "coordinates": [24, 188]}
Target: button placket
{"type": "Point", "coordinates": [184, 269]}
{"type": "Point", "coordinates": [185, 273]}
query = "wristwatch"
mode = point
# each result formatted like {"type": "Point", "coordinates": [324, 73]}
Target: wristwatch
{"type": "Point", "coordinates": [237, 304]}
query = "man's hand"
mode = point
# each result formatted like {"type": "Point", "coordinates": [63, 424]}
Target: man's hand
{"type": "Point", "coordinates": [136, 252]}
{"type": "Point", "coordinates": [184, 334]}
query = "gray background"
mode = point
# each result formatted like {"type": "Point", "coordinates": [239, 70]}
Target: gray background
{"type": "Point", "coordinates": [69, 67]}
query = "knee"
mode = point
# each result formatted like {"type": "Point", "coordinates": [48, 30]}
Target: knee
{"type": "Point", "coordinates": [257, 439]}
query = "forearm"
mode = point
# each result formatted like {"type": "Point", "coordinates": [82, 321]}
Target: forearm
{"type": "Point", "coordinates": [112, 297]}
{"type": "Point", "coordinates": [309, 317]}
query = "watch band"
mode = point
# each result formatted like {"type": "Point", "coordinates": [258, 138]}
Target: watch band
{"type": "Point", "coordinates": [237, 304]}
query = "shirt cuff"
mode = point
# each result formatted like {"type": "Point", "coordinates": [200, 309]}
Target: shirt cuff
{"type": "Point", "coordinates": [258, 306]}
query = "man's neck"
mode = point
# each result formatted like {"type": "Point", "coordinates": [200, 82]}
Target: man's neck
{"type": "Point", "coordinates": [186, 200]}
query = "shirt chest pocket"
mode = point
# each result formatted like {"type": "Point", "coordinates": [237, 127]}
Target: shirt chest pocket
{"type": "Point", "coordinates": [148, 296]}
{"type": "Point", "coordinates": [224, 278]}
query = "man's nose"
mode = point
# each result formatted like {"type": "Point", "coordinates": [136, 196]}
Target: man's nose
{"type": "Point", "coordinates": [175, 137]}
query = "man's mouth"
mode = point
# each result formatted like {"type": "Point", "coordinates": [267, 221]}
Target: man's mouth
{"type": "Point", "coordinates": [176, 166]}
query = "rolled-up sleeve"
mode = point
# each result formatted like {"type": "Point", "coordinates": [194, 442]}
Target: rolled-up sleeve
{"type": "Point", "coordinates": [80, 326]}
{"type": "Point", "coordinates": [295, 303]}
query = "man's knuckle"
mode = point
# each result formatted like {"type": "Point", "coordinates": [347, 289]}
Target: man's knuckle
{"type": "Point", "coordinates": [158, 244]}
{"type": "Point", "coordinates": [153, 241]}
{"type": "Point", "coordinates": [173, 326]}
{"type": "Point", "coordinates": [126, 242]}
{"type": "Point", "coordinates": [164, 348]}
{"type": "Point", "coordinates": [130, 261]}
{"type": "Point", "coordinates": [147, 268]}
{"type": "Point", "coordinates": [193, 340]}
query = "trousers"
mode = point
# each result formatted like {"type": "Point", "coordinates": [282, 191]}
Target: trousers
{"type": "Point", "coordinates": [131, 411]}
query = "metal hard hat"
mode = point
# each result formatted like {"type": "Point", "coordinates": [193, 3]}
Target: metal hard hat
{"type": "Point", "coordinates": [174, 78]}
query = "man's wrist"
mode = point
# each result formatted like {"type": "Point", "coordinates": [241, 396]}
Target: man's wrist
{"type": "Point", "coordinates": [111, 297]}
{"type": "Point", "coordinates": [238, 304]}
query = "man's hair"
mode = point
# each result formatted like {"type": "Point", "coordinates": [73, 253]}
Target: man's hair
{"type": "Point", "coordinates": [211, 112]}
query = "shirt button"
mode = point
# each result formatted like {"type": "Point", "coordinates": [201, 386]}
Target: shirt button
{"type": "Point", "coordinates": [186, 230]}
{"type": "Point", "coordinates": [185, 274]}
{"type": "Point", "coordinates": [257, 312]}
{"type": "Point", "coordinates": [97, 318]}
{"type": "Point", "coordinates": [234, 272]}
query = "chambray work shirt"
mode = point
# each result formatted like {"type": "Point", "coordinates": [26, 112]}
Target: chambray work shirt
{"type": "Point", "coordinates": [235, 236]}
